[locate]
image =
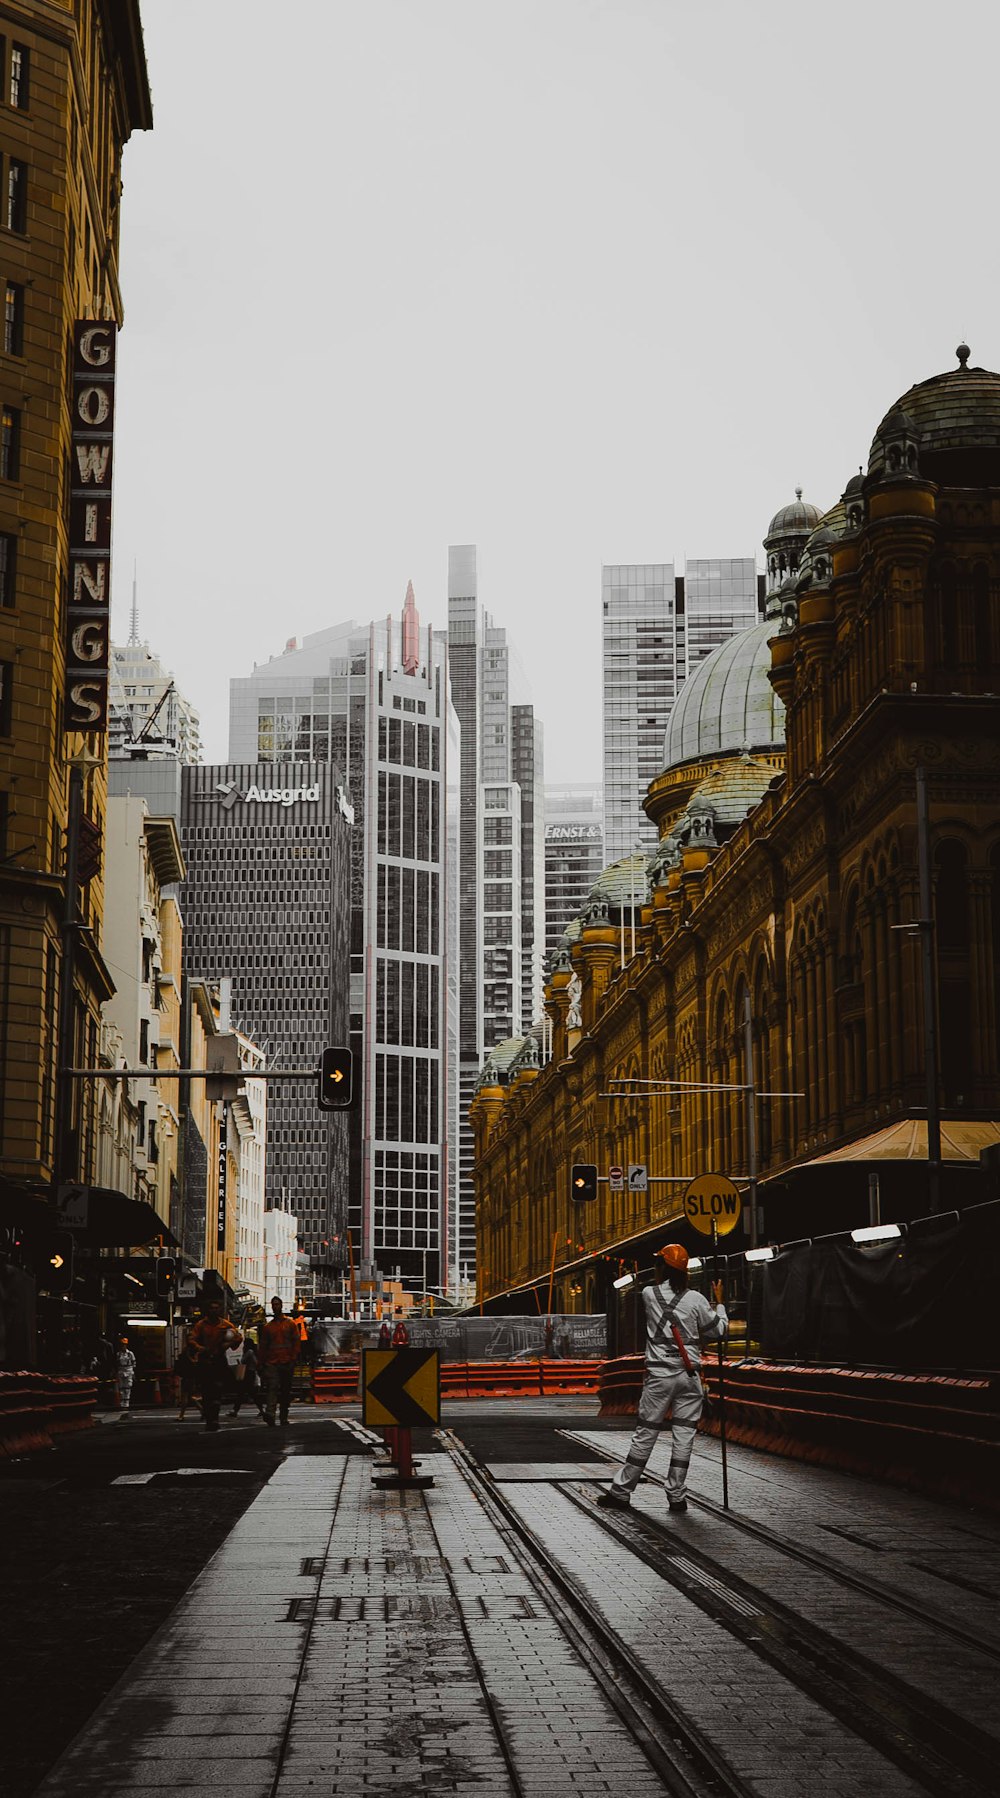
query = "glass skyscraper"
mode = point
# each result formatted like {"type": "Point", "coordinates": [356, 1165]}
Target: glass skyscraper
{"type": "Point", "coordinates": [657, 626]}
{"type": "Point", "coordinates": [376, 698]}
{"type": "Point", "coordinates": [502, 850]}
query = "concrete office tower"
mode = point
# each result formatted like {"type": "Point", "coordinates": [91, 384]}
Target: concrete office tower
{"type": "Point", "coordinates": [376, 699]}
{"type": "Point", "coordinates": [147, 710]}
{"type": "Point", "coordinates": [574, 854]}
{"type": "Point", "coordinates": [502, 848]}
{"type": "Point", "coordinates": [527, 768]}
{"type": "Point", "coordinates": [267, 903]}
{"type": "Point", "coordinates": [657, 627]}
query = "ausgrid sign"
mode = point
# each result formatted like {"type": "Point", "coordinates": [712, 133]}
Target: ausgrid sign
{"type": "Point", "coordinates": [281, 795]}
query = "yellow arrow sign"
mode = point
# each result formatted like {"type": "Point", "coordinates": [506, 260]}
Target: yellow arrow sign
{"type": "Point", "coordinates": [712, 1199]}
{"type": "Point", "coordinates": [401, 1386]}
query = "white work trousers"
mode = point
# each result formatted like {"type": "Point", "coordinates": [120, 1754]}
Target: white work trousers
{"type": "Point", "coordinates": [663, 1390]}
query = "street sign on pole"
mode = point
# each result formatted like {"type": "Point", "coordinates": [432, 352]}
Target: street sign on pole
{"type": "Point", "coordinates": [401, 1387]}
{"type": "Point", "coordinates": [712, 1202]}
{"type": "Point", "coordinates": [637, 1177]}
{"type": "Point", "coordinates": [616, 1179]}
{"type": "Point", "coordinates": [74, 1207]}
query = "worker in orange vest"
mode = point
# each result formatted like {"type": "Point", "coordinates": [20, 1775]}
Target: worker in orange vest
{"type": "Point", "coordinates": [277, 1353]}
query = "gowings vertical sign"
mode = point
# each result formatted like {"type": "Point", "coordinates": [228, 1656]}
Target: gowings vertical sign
{"type": "Point", "coordinates": [88, 608]}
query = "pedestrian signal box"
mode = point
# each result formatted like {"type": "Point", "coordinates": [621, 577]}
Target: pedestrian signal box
{"type": "Point", "coordinates": [54, 1269]}
{"type": "Point", "coordinates": [166, 1276]}
{"type": "Point", "coordinates": [583, 1181]}
{"type": "Point", "coordinates": [336, 1080]}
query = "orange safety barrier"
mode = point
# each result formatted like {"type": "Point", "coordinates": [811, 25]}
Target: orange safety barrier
{"type": "Point", "coordinates": [938, 1433]}
{"type": "Point", "coordinates": [526, 1378]}
{"type": "Point", "coordinates": [35, 1407]}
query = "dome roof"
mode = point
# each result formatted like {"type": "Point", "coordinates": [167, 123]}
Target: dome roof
{"type": "Point", "coordinates": [624, 882]}
{"type": "Point", "coordinates": [731, 791]}
{"type": "Point", "coordinates": [793, 519]}
{"type": "Point", "coordinates": [959, 410]}
{"type": "Point", "coordinates": [728, 704]}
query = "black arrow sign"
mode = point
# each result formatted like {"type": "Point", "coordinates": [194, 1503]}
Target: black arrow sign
{"type": "Point", "coordinates": [388, 1387]}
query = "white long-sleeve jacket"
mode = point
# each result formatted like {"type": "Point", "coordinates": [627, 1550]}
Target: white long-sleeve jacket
{"type": "Point", "coordinates": [696, 1320]}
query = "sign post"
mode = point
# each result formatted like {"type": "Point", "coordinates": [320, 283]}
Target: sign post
{"type": "Point", "coordinates": [722, 1380]}
{"type": "Point", "coordinates": [712, 1205]}
{"type": "Point", "coordinates": [401, 1391]}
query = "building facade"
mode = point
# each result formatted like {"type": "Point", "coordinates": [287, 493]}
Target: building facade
{"type": "Point", "coordinates": [147, 708]}
{"type": "Point", "coordinates": [502, 853]}
{"type": "Point", "coordinates": [779, 947]}
{"type": "Point", "coordinates": [657, 626]}
{"type": "Point", "coordinates": [73, 88]}
{"type": "Point", "coordinates": [144, 935]}
{"type": "Point", "coordinates": [378, 698]}
{"type": "Point", "coordinates": [266, 906]}
{"type": "Point", "coordinates": [574, 854]}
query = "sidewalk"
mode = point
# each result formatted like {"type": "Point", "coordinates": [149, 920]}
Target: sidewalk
{"type": "Point", "coordinates": [384, 1692]}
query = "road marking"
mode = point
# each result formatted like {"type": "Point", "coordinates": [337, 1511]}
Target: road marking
{"type": "Point", "coordinates": [143, 1479]}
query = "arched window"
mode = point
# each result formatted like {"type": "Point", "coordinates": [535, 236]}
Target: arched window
{"type": "Point", "coordinates": [947, 614]}
{"type": "Point", "coordinates": [982, 624]}
{"type": "Point", "coordinates": [951, 898]}
{"type": "Point", "coordinates": [995, 934]}
{"type": "Point", "coordinates": [955, 997]}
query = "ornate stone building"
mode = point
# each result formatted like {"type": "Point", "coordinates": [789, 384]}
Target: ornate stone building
{"type": "Point", "coordinates": [73, 87]}
{"type": "Point", "coordinates": [772, 940]}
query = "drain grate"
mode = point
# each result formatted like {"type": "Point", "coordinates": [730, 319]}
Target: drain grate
{"type": "Point", "coordinates": [352, 1608]}
{"type": "Point", "coordinates": [404, 1607]}
{"type": "Point", "coordinates": [692, 1571]}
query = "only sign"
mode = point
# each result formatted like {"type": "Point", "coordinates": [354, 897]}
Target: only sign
{"type": "Point", "coordinates": [713, 1199]}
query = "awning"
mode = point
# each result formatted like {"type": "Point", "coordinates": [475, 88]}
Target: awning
{"type": "Point", "coordinates": [962, 1139]}
{"type": "Point", "coordinates": [102, 1218]}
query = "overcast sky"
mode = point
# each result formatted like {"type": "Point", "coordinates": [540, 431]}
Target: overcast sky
{"type": "Point", "coordinates": [579, 281]}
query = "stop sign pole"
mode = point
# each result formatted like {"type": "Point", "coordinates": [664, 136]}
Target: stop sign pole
{"type": "Point", "coordinates": [722, 1380]}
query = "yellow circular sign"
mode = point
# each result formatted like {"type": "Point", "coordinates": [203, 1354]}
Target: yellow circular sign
{"type": "Point", "coordinates": [712, 1199]}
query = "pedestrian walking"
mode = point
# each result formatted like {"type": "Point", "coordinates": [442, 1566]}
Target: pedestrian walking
{"type": "Point", "coordinates": [212, 1335]}
{"type": "Point", "coordinates": [125, 1366]}
{"type": "Point", "coordinates": [277, 1354]}
{"type": "Point", "coordinates": [186, 1370]}
{"type": "Point", "coordinates": [677, 1322]}
{"type": "Point", "coordinates": [248, 1391]}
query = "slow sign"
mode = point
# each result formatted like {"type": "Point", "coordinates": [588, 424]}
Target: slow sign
{"type": "Point", "coordinates": [712, 1199]}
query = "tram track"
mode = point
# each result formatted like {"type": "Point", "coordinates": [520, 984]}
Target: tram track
{"type": "Point", "coordinates": [933, 1746]}
{"type": "Point", "coordinates": [938, 1750]}
{"type": "Point", "coordinates": [683, 1757]}
{"type": "Point", "coordinates": [818, 1562]}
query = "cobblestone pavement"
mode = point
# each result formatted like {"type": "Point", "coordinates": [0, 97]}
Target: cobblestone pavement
{"type": "Point", "coordinates": [410, 1657]}
{"type": "Point", "coordinates": [345, 1642]}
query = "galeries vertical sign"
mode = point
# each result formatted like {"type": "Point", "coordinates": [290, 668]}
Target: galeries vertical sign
{"type": "Point", "coordinates": [221, 1170]}
{"type": "Point", "coordinates": [88, 607]}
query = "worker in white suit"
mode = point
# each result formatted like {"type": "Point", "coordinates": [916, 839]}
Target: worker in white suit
{"type": "Point", "coordinates": [678, 1321]}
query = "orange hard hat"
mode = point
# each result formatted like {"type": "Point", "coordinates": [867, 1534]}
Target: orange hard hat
{"type": "Point", "coordinates": [674, 1255]}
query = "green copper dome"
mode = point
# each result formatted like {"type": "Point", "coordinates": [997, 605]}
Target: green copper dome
{"type": "Point", "coordinates": [728, 705]}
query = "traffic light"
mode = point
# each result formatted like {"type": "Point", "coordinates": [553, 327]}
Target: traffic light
{"type": "Point", "coordinates": [583, 1181]}
{"type": "Point", "coordinates": [336, 1080]}
{"type": "Point", "coordinates": [166, 1276]}
{"type": "Point", "coordinates": [54, 1267]}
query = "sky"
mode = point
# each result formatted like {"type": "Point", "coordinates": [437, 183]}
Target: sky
{"type": "Point", "coordinates": [577, 281]}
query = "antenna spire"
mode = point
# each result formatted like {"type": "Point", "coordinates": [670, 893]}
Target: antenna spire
{"type": "Point", "coordinates": [133, 628]}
